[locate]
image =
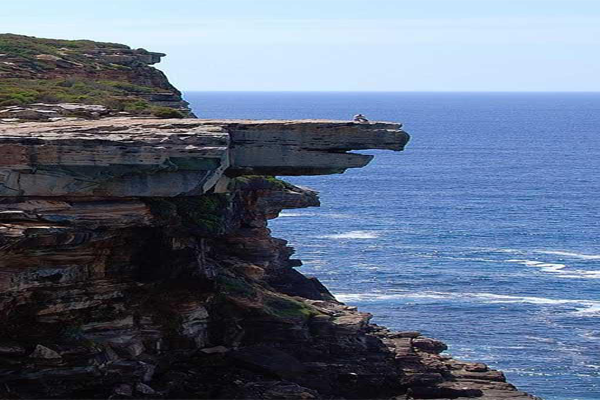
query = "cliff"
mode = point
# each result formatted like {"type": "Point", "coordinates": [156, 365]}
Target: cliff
{"type": "Point", "coordinates": [136, 262]}
{"type": "Point", "coordinates": [49, 71]}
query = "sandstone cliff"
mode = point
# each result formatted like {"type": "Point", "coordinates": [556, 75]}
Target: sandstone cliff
{"type": "Point", "coordinates": [136, 259]}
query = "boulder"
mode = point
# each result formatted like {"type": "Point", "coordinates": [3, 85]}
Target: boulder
{"type": "Point", "coordinates": [44, 352]}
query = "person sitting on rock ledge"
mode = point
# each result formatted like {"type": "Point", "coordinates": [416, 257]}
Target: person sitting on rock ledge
{"type": "Point", "coordinates": [361, 119]}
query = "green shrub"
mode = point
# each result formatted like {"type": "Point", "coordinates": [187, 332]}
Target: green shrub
{"type": "Point", "coordinates": [165, 112]}
{"type": "Point", "coordinates": [29, 46]}
{"type": "Point", "coordinates": [137, 105]}
{"type": "Point", "coordinates": [11, 102]}
{"type": "Point", "coordinates": [258, 182]}
{"type": "Point", "coordinates": [235, 286]}
{"type": "Point", "coordinates": [286, 307]}
{"type": "Point", "coordinates": [112, 94]}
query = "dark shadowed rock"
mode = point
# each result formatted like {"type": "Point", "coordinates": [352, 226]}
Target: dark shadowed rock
{"type": "Point", "coordinates": [269, 360]}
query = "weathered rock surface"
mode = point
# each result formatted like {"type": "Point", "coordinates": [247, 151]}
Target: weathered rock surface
{"type": "Point", "coordinates": [136, 262]}
{"type": "Point", "coordinates": [123, 157]}
{"type": "Point", "coordinates": [52, 112]}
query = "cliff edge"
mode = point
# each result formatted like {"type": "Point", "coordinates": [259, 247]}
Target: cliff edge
{"type": "Point", "coordinates": [136, 262]}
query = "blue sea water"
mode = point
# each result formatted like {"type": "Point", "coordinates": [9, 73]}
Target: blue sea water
{"type": "Point", "coordinates": [483, 233]}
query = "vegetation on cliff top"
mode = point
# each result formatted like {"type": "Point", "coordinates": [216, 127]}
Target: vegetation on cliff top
{"type": "Point", "coordinates": [35, 70]}
{"type": "Point", "coordinates": [28, 46]}
{"type": "Point", "coordinates": [117, 95]}
{"type": "Point", "coordinates": [26, 56]}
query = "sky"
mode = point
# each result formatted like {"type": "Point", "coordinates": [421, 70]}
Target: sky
{"type": "Point", "coordinates": [340, 45]}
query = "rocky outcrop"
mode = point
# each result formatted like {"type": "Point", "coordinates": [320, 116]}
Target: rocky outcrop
{"type": "Point", "coordinates": [152, 158]}
{"type": "Point", "coordinates": [136, 262]}
{"type": "Point", "coordinates": [52, 112]}
{"type": "Point", "coordinates": [36, 70]}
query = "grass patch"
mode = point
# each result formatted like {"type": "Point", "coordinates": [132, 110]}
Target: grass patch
{"type": "Point", "coordinates": [202, 212]}
{"type": "Point", "coordinates": [234, 286]}
{"type": "Point", "coordinates": [165, 112]}
{"type": "Point", "coordinates": [119, 96]}
{"type": "Point", "coordinates": [26, 46]}
{"type": "Point", "coordinates": [30, 68]}
{"type": "Point", "coordinates": [286, 307]}
{"type": "Point", "coordinates": [258, 182]}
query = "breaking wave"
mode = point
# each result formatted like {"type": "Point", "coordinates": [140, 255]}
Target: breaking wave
{"type": "Point", "coordinates": [314, 214]}
{"type": "Point", "coordinates": [582, 307]}
{"type": "Point", "coordinates": [569, 254]}
{"type": "Point", "coordinates": [353, 235]}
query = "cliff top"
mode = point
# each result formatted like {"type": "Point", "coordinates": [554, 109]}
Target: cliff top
{"type": "Point", "coordinates": [28, 57]}
{"type": "Point", "coordinates": [124, 157]}
{"type": "Point", "coordinates": [35, 70]}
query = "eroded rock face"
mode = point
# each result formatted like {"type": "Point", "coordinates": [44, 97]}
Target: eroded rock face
{"type": "Point", "coordinates": [123, 157]}
{"type": "Point", "coordinates": [174, 287]}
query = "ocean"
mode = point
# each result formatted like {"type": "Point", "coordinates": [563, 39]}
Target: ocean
{"type": "Point", "coordinates": [483, 233]}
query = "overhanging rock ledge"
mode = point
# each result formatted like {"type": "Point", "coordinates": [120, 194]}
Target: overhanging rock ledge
{"type": "Point", "coordinates": [125, 157]}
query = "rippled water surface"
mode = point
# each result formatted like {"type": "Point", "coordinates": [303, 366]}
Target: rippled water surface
{"type": "Point", "coordinates": [483, 233]}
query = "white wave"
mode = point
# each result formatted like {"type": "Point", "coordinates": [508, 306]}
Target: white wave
{"type": "Point", "coordinates": [338, 216]}
{"type": "Point", "coordinates": [580, 274]}
{"type": "Point", "coordinates": [364, 297]}
{"type": "Point", "coordinates": [589, 274]}
{"type": "Point", "coordinates": [526, 372]}
{"type": "Point", "coordinates": [498, 298]}
{"type": "Point", "coordinates": [541, 339]}
{"type": "Point", "coordinates": [593, 335]}
{"type": "Point", "coordinates": [430, 295]}
{"type": "Point", "coordinates": [591, 310]}
{"type": "Point", "coordinates": [455, 258]}
{"type": "Point", "coordinates": [543, 266]}
{"type": "Point", "coordinates": [570, 254]}
{"type": "Point", "coordinates": [514, 251]}
{"type": "Point", "coordinates": [549, 252]}
{"type": "Point", "coordinates": [559, 269]}
{"type": "Point", "coordinates": [582, 307]}
{"type": "Point", "coordinates": [313, 214]}
{"type": "Point", "coordinates": [348, 297]}
{"type": "Point", "coordinates": [587, 307]}
{"type": "Point", "coordinates": [353, 235]}
{"type": "Point", "coordinates": [539, 264]}
{"type": "Point", "coordinates": [395, 296]}
{"type": "Point", "coordinates": [293, 214]}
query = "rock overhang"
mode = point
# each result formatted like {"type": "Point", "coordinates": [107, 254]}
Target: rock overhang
{"type": "Point", "coordinates": [141, 157]}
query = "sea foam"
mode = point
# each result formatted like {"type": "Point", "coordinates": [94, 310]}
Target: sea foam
{"type": "Point", "coordinates": [582, 307]}
{"type": "Point", "coordinates": [570, 254]}
{"type": "Point", "coordinates": [353, 235]}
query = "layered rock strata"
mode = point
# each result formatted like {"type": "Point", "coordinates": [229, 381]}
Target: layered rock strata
{"type": "Point", "coordinates": [152, 158]}
{"type": "Point", "coordinates": [136, 262]}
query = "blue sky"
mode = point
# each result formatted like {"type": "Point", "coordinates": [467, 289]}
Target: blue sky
{"type": "Point", "coordinates": [341, 45]}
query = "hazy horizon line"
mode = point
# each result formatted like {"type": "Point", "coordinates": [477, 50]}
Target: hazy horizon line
{"type": "Point", "coordinates": [399, 91]}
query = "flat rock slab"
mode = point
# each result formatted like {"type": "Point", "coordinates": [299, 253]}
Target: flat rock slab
{"type": "Point", "coordinates": [141, 157]}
